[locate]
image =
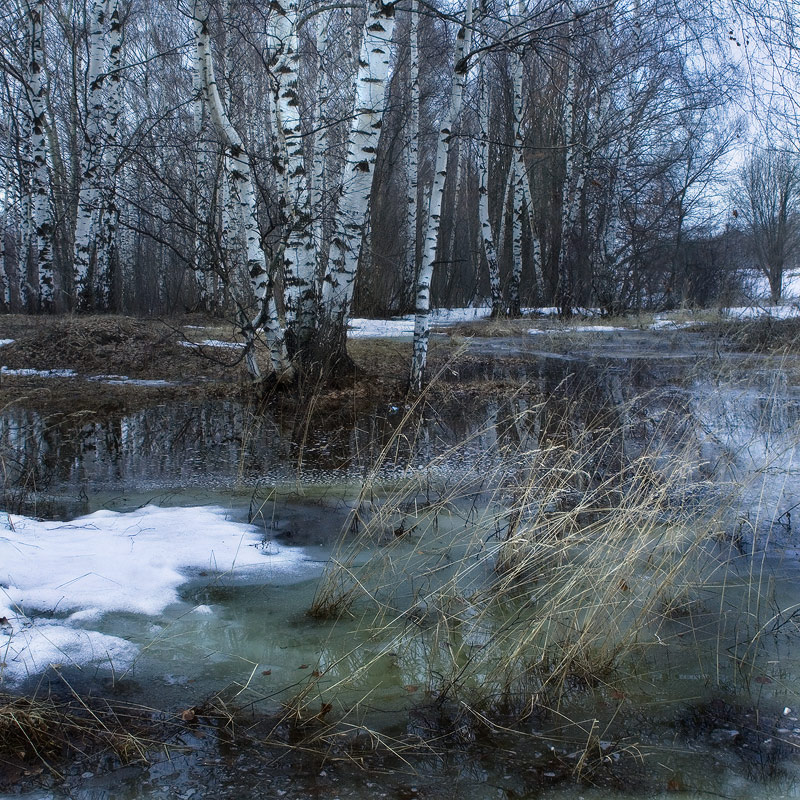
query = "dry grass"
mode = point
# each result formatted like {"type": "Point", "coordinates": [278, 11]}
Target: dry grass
{"type": "Point", "coordinates": [45, 733]}
{"type": "Point", "coordinates": [559, 561]}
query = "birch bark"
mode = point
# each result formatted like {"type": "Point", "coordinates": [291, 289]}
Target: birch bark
{"type": "Point", "coordinates": [433, 218]}
{"type": "Point", "coordinates": [564, 293]}
{"type": "Point", "coordinates": [487, 237]}
{"type": "Point", "coordinates": [91, 158]}
{"type": "Point", "coordinates": [299, 252]}
{"type": "Point", "coordinates": [320, 127]}
{"type": "Point", "coordinates": [110, 211]}
{"type": "Point", "coordinates": [373, 70]}
{"type": "Point", "coordinates": [40, 198]}
{"type": "Point", "coordinates": [240, 175]}
{"type": "Point", "coordinates": [412, 165]}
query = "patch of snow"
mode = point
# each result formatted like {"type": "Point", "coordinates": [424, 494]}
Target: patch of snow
{"type": "Point", "coordinates": [215, 343]}
{"type": "Point", "coordinates": [578, 329]}
{"type": "Point", "coordinates": [109, 378]}
{"type": "Point", "coordinates": [4, 342]}
{"type": "Point", "coordinates": [108, 561]}
{"type": "Point", "coordinates": [596, 328]}
{"type": "Point", "coordinates": [661, 324]}
{"type": "Point", "coordinates": [120, 379]}
{"type": "Point", "coordinates": [41, 643]}
{"type": "Point", "coordinates": [754, 312]}
{"type": "Point", "coordinates": [359, 328]}
{"type": "Point", "coordinates": [39, 373]}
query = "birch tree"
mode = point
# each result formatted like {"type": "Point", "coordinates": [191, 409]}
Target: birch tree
{"type": "Point", "coordinates": [40, 204]}
{"type": "Point", "coordinates": [362, 147]}
{"type": "Point", "coordinates": [487, 237]}
{"type": "Point", "coordinates": [91, 156]}
{"type": "Point", "coordinates": [412, 164]}
{"type": "Point", "coordinates": [434, 211]}
{"type": "Point", "coordinates": [299, 251]}
{"type": "Point", "coordinates": [239, 173]}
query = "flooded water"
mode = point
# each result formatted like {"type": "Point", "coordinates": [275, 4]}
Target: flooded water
{"type": "Point", "coordinates": [580, 583]}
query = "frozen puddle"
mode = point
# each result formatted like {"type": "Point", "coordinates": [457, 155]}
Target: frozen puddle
{"type": "Point", "coordinates": [58, 578]}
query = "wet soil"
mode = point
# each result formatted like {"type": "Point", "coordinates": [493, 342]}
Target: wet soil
{"type": "Point", "coordinates": [125, 363]}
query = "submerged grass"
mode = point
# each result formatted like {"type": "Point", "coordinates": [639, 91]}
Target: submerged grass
{"type": "Point", "coordinates": [568, 555]}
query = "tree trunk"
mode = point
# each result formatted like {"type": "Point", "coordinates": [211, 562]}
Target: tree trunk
{"type": "Point", "coordinates": [299, 251]}
{"type": "Point", "coordinates": [89, 192]}
{"type": "Point", "coordinates": [42, 217]}
{"type": "Point", "coordinates": [339, 282]}
{"type": "Point", "coordinates": [564, 293]}
{"type": "Point", "coordinates": [487, 238]}
{"type": "Point", "coordinates": [240, 175]}
{"type": "Point", "coordinates": [412, 164]}
{"type": "Point", "coordinates": [433, 217]}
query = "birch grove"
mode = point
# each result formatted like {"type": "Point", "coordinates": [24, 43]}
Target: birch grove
{"type": "Point", "coordinates": [288, 166]}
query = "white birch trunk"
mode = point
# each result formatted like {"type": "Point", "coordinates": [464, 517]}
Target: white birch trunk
{"type": "Point", "coordinates": [110, 213]}
{"type": "Point", "coordinates": [91, 157]}
{"type": "Point", "coordinates": [486, 235]}
{"type": "Point", "coordinates": [24, 255]}
{"type": "Point", "coordinates": [450, 250]}
{"type": "Point", "coordinates": [40, 202]}
{"type": "Point", "coordinates": [412, 164]}
{"type": "Point", "coordinates": [433, 217]}
{"type": "Point", "coordinates": [299, 252]}
{"type": "Point", "coordinates": [201, 198]}
{"type": "Point", "coordinates": [509, 188]}
{"type": "Point", "coordinates": [321, 142]}
{"type": "Point", "coordinates": [522, 186]}
{"type": "Point", "coordinates": [373, 70]}
{"type": "Point", "coordinates": [564, 293]}
{"type": "Point", "coordinates": [241, 176]}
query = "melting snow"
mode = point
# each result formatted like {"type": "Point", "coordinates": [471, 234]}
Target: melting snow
{"type": "Point", "coordinates": [215, 343]}
{"type": "Point", "coordinates": [39, 373]}
{"type": "Point", "coordinates": [106, 562]}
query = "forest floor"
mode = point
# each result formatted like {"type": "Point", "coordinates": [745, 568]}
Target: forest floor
{"type": "Point", "coordinates": [104, 363]}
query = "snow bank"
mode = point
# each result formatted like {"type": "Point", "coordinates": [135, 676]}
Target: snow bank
{"type": "Point", "coordinates": [106, 562]}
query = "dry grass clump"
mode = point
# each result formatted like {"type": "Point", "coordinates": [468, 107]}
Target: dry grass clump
{"type": "Point", "coordinates": [554, 561]}
{"type": "Point", "coordinates": [43, 733]}
{"type": "Point", "coordinates": [764, 334]}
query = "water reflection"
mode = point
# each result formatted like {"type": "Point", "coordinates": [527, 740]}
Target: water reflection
{"type": "Point", "coordinates": [225, 443]}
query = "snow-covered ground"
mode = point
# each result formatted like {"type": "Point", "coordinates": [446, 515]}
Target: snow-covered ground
{"type": "Point", "coordinates": [403, 327]}
{"type": "Point", "coordinates": [57, 577]}
{"type": "Point", "coordinates": [39, 373]}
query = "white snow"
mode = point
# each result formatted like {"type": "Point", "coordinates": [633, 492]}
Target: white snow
{"type": "Point", "coordinates": [215, 343]}
{"type": "Point", "coordinates": [106, 562]}
{"type": "Point", "coordinates": [39, 373]}
{"type": "Point", "coordinates": [4, 342]}
{"type": "Point", "coordinates": [753, 312]}
{"type": "Point", "coordinates": [120, 379]}
{"type": "Point", "coordinates": [578, 329]}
